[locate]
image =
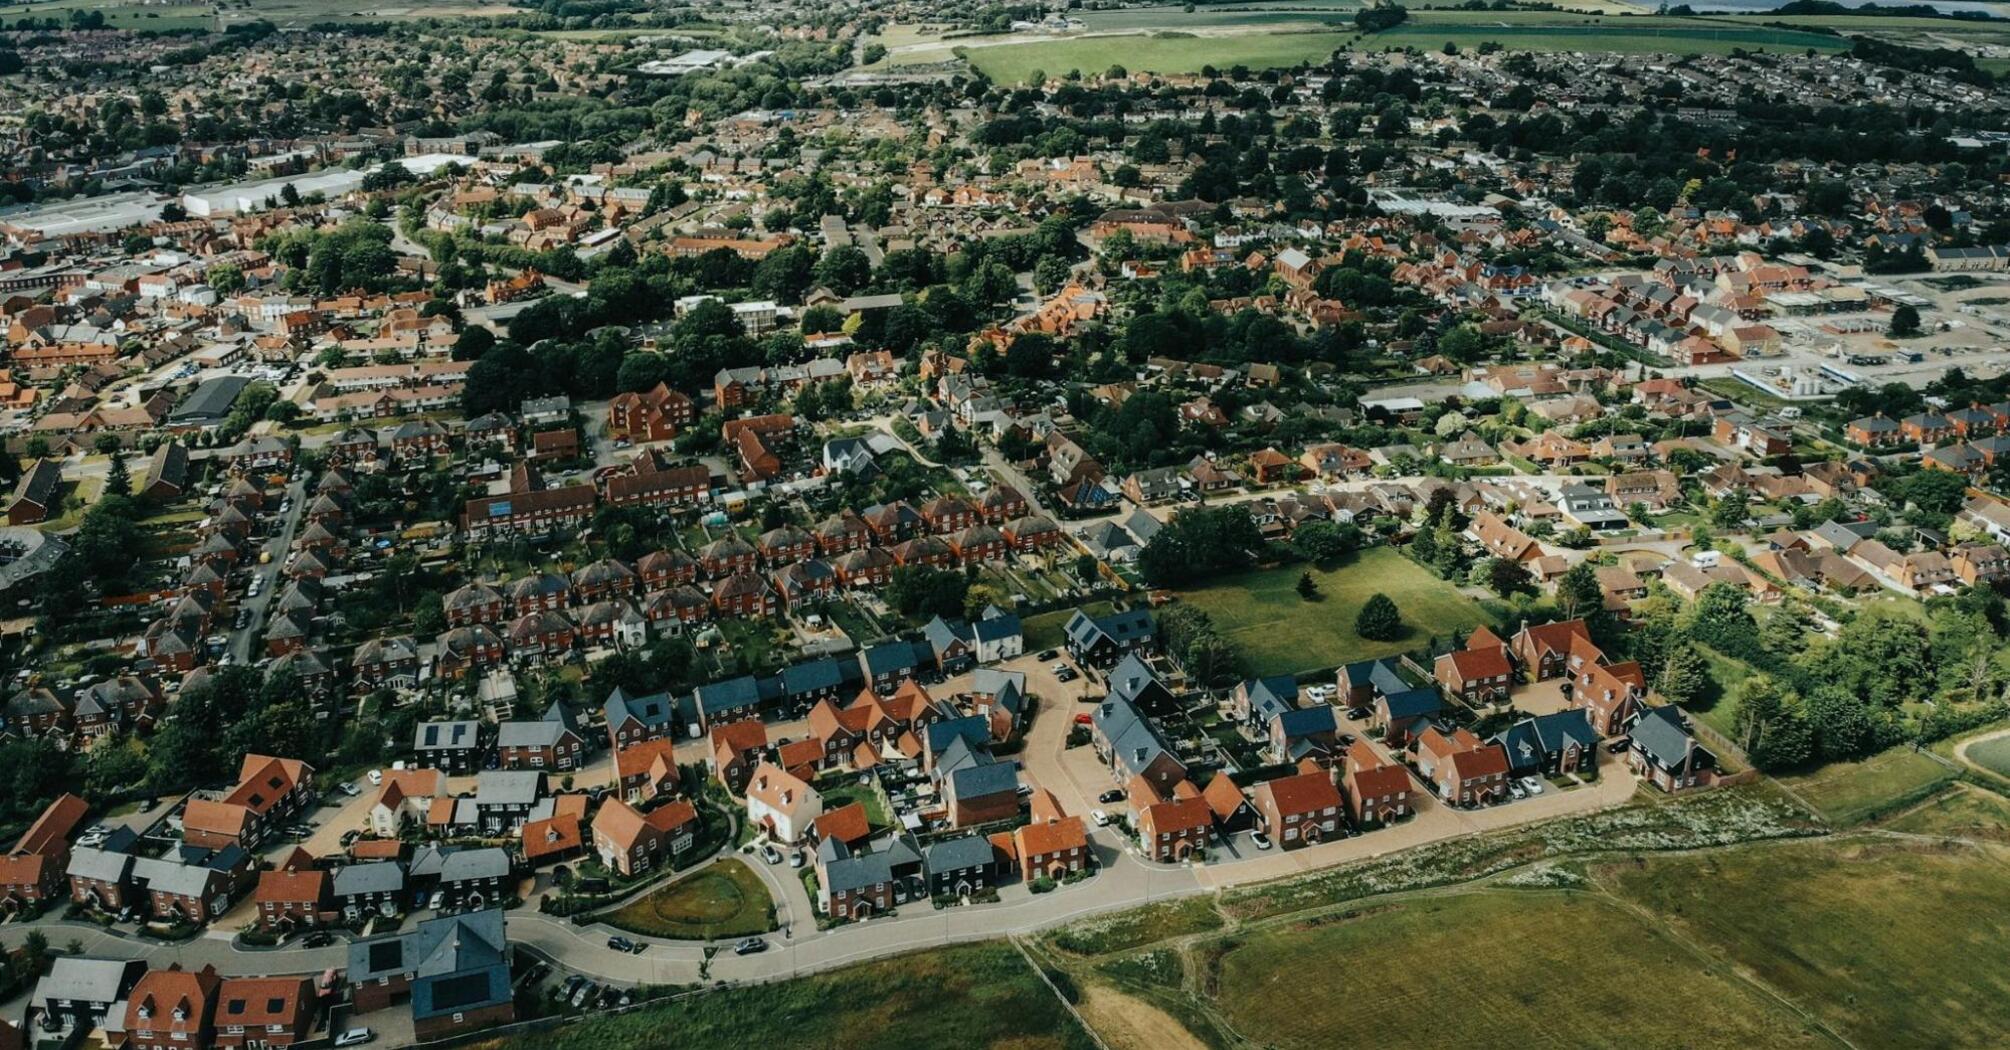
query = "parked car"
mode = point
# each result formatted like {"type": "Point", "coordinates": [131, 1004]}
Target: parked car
{"type": "Point", "coordinates": [571, 985]}
{"type": "Point", "coordinates": [750, 946]}
{"type": "Point", "coordinates": [350, 789]}
{"type": "Point", "coordinates": [1059, 669]}
{"type": "Point", "coordinates": [770, 854]}
{"type": "Point", "coordinates": [376, 778]}
{"type": "Point", "coordinates": [1619, 746]}
{"type": "Point", "coordinates": [1259, 840]}
{"type": "Point", "coordinates": [355, 1037]}
{"type": "Point", "coordinates": [1066, 674]}
{"type": "Point", "coordinates": [1048, 654]}
{"type": "Point", "coordinates": [1532, 785]}
{"type": "Point", "coordinates": [1084, 719]}
{"type": "Point", "coordinates": [620, 943]}
{"type": "Point", "coordinates": [1112, 795]}
{"type": "Point", "coordinates": [796, 858]}
{"type": "Point", "coordinates": [585, 993]}
{"type": "Point", "coordinates": [1101, 818]}
{"type": "Point", "coordinates": [317, 939]}
{"type": "Point", "coordinates": [1515, 791]}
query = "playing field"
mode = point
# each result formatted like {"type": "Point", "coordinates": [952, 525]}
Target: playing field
{"type": "Point", "coordinates": [981, 996]}
{"type": "Point", "coordinates": [1847, 793]}
{"type": "Point", "coordinates": [1279, 632]}
{"type": "Point", "coordinates": [724, 900]}
{"type": "Point", "coordinates": [1017, 63]}
{"type": "Point", "coordinates": [1889, 943]}
{"type": "Point", "coordinates": [1490, 968]}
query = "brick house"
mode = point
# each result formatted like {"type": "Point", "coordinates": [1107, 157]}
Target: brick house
{"type": "Point", "coordinates": [1299, 810]}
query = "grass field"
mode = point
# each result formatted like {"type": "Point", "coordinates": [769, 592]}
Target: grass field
{"type": "Point", "coordinates": [1045, 631]}
{"type": "Point", "coordinates": [1848, 793]}
{"type": "Point", "coordinates": [1888, 943]}
{"type": "Point", "coordinates": [1962, 812]}
{"type": "Point", "coordinates": [1016, 63]}
{"type": "Point", "coordinates": [976, 996]}
{"type": "Point", "coordinates": [724, 900]}
{"type": "Point", "coordinates": [1992, 755]}
{"type": "Point", "coordinates": [1280, 633]}
{"type": "Point", "coordinates": [1524, 969]}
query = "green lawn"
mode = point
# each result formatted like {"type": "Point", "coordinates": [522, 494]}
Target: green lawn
{"type": "Point", "coordinates": [1491, 968]}
{"type": "Point", "coordinates": [1016, 63]}
{"type": "Point", "coordinates": [1992, 755]}
{"type": "Point", "coordinates": [980, 996]}
{"type": "Point", "coordinates": [843, 791]}
{"type": "Point", "coordinates": [1962, 812]}
{"type": "Point", "coordinates": [1045, 631]}
{"type": "Point", "coordinates": [724, 900]}
{"type": "Point", "coordinates": [1852, 792]}
{"type": "Point", "coordinates": [1278, 632]}
{"type": "Point", "coordinates": [1889, 943]}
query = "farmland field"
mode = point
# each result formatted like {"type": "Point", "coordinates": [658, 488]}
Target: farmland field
{"type": "Point", "coordinates": [1014, 63]}
{"type": "Point", "coordinates": [978, 996]}
{"type": "Point", "coordinates": [1852, 792]}
{"type": "Point", "coordinates": [1278, 632]}
{"type": "Point", "coordinates": [724, 900]}
{"type": "Point", "coordinates": [1511, 960]}
{"type": "Point", "coordinates": [1874, 938]}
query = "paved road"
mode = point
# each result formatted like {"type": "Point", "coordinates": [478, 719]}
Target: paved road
{"type": "Point", "coordinates": [244, 643]}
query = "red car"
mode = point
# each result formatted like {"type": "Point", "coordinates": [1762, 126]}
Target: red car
{"type": "Point", "coordinates": [1084, 720]}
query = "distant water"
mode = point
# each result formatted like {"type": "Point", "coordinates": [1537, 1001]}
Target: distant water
{"type": "Point", "coordinates": [1769, 5]}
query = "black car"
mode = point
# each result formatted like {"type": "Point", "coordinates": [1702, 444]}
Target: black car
{"type": "Point", "coordinates": [1112, 795]}
{"type": "Point", "coordinates": [317, 939]}
{"type": "Point", "coordinates": [750, 946]}
{"type": "Point", "coordinates": [1049, 654]}
{"type": "Point", "coordinates": [620, 944]}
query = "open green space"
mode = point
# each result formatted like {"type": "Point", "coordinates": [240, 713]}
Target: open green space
{"type": "Point", "coordinates": [977, 996]}
{"type": "Point", "coordinates": [1888, 943]}
{"type": "Point", "coordinates": [724, 900]}
{"type": "Point", "coordinates": [1961, 812]}
{"type": "Point", "coordinates": [1992, 755]}
{"type": "Point", "coordinates": [1847, 793]}
{"type": "Point", "coordinates": [1515, 963]}
{"type": "Point", "coordinates": [1279, 632]}
{"type": "Point", "coordinates": [1016, 63]}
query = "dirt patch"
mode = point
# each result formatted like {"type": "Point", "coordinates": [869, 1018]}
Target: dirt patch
{"type": "Point", "coordinates": [1128, 1023]}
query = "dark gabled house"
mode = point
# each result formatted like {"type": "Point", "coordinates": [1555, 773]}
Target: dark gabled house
{"type": "Point", "coordinates": [1304, 733]}
{"type": "Point", "coordinates": [452, 747]}
{"type": "Point", "coordinates": [1258, 700]}
{"type": "Point", "coordinates": [1100, 641]}
{"type": "Point", "coordinates": [825, 678]}
{"type": "Point", "coordinates": [1402, 715]}
{"type": "Point", "coordinates": [890, 662]}
{"type": "Point", "coordinates": [1363, 680]}
{"type": "Point", "coordinates": [1665, 754]}
{"type": "Point", "coordinates": [729, 701]}
{"type": "Point", "coordinates": [454, 970]}
{"type": "Point", "coordinates": [1134, 683]}
{"type": "Point", "coordinates": [633, 719]}
{"type": "Point", "coordinates": [960, 866]}
{"type": "Point", "coordinates": [1558, 742]}
{"type": "Point", "coordinates": [1131, 743]}
{"type": "Point", "coordinates": [954, 644]}
{"type": "Point", "coordinates": [858, 885]}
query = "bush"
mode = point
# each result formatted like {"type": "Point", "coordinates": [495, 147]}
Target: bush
{"type": "Point", "coordinates": [1043, 884]}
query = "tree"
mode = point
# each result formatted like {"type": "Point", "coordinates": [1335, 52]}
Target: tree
{"type": "Point", "coordinates": [118, 482]}
{"type": "Point", "coordinates": [1508, 577]}
{"type": "Point", "coordinates": [1685, 677]}
{"type": "Point", "coordinates": [1200, 542]}
{"type": "Point", "coordinates": [1935, 491]}
{"type": "Point", "coordinates": [1379, 620]}
{"type": "Point", "coordinates": [1904, 322]}
{"type": "Point", "coordinates": [920, 591]}
{"type": "Point", "coordinates": [1308, 588]}
{"type": "Point", "coordinates": [1325, 541]}
{"type": "Point", "coordinates": [1578, 594]}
